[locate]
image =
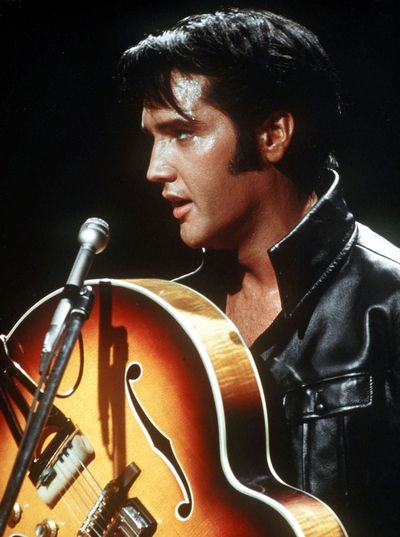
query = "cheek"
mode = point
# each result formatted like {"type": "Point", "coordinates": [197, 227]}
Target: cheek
{"type": "Point", "coordinates": [227, 200]}
{"type": "Point", "coordinates": [218, 144]}
{"type": "Point", "coordinates": [238, 200]}
{"type": "Point", "coordinates": [204, 145]}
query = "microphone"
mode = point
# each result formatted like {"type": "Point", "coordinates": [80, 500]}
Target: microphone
{"type": "Point", "coordinates": [93, 237]}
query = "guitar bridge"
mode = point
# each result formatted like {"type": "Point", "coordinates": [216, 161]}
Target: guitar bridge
{"type": "Point", "coordinates": [113, 513]}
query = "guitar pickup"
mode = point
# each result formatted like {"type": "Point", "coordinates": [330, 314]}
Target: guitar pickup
{"type": "Point", "coordinates": [55, 470]}
{"type": "Point", "coordinates": [57, 478]}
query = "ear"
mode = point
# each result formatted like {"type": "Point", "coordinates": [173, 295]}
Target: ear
{"type": "Point", "coordinates": [274, 136]}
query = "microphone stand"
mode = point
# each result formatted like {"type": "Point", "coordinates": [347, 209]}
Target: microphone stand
{"type": "Point", "coordinates": [81, 307]}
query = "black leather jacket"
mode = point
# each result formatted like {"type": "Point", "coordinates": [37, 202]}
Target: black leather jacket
{"type": "Point", "coordinates": [330, 363]}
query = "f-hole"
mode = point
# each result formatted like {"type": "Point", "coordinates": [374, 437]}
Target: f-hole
{"type": "Point", "coordinates": [160, 442]}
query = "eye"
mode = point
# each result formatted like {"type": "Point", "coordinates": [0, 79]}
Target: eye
{"type": "Point", "coordinates": [181, 134]}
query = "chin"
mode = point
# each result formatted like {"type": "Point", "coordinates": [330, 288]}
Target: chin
{"type": "Point", "coordinates": [193, 239]}
{"type": "Point", "coordinates": [205, 242]}
{"type": "Point", "coordinates": [204, 238]}
{"type": "Point", "coordinates": [193, 243]}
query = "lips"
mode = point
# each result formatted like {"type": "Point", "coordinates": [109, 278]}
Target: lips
{"type": "Point", "coordinates": [181, 209]}
{"type": "Point", "coordinates": [180, 205]}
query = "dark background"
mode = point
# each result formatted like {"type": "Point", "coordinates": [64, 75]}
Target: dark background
{"type": "Point", "coordinates": [71, 150]}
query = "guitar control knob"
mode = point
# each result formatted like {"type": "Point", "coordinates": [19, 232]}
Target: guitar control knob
{"type": "Point", "coordinates": [15, 515]}
{"type": "Point", "coordinates": [47, 528]}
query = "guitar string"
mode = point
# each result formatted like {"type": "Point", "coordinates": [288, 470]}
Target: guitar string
{"type": "Point", "coordinates": [81, 470]}
{"type": "Point", "coordinates": [72, 491]}
{"type": "Point", "coordinates": [85, 497]}
{"type": "Point", "coordinates": [128, 524]}
{"type": "Point", "coordinates": [79, 489]}
{"type": "Point", "coordinates": [120, 516]}
{"type": "Point", "coordinates": [95, 485]}
{"type": "Point", "coordinates": [72, 496]}
{"type": "Point", "coordinates": [131, 527]}
{"type": "Point", "coordinates": [67, 496]}
{"type": "Point", "coordinates": [101, 521]}
{"type": "Point", "coordinates": [123, 530]}
{"type": "Point", "coordinates": [106, 510]}
{"type": "Point", "coordinates": [83, 473]}
{"type": "Point", "coordinates": [74, 499]}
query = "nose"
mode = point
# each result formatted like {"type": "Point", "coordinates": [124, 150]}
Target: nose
{"type": "Point", "coordinates": [161, 168]}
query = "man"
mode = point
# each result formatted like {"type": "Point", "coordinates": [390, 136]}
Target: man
{"type": "Point", "coordinates": [244, 110]}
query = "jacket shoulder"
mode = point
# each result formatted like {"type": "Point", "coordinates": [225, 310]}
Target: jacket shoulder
{"type": "Point", "coordinates": [377, 245]}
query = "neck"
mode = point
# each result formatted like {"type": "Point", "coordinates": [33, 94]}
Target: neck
{"type": "Point", "coordinates": [284, 211]}
{"type": "Point", "coordinates": [254, 301]}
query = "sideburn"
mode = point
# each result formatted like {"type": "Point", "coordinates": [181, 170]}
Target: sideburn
{"type": "Point", "coordinates": [247, 157]}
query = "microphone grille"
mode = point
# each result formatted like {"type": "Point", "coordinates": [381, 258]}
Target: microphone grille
{"type": "Point", "coordinates": [95, 234]}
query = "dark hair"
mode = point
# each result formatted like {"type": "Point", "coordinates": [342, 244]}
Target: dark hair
{"type": "Point", "coordinates": [258, 62]}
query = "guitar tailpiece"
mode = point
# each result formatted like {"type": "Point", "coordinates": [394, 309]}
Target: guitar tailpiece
{"type": "Point", "coordinates": [133, 520]}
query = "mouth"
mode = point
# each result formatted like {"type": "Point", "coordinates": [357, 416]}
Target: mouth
{"type": "Point", "coordinates": [181, 207]}
{"type": "Point", "coordinates": [179, 202]}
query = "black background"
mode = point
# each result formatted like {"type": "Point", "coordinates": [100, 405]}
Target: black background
{"type": "Point", "coordinates": [71, 150]}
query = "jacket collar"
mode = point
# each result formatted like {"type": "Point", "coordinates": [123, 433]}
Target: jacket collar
{"type": "Point", "coordinates": [304, 258]}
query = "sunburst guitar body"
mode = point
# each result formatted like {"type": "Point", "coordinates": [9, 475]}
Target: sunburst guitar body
{"type": "Point", "coordinates": [163, 432]}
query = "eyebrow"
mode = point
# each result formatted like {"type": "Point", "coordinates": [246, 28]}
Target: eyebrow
{"type": "Point", "coordinates": [175, 123]}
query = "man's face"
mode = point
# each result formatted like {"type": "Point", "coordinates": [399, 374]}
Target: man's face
{"type": "Point", "coordinates": [191, 158]}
